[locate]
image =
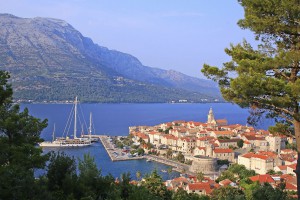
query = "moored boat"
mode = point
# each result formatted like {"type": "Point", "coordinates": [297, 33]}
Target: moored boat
{"type": "Point", "coordinates": [66, 141]}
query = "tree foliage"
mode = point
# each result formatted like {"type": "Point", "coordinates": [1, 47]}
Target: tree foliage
{"type": "Point", "coordinates": [266, 78]}
{"type": "Point", "coordinates": [19, 156]}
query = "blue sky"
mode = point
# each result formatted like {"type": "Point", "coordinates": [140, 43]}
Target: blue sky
{"type": "Point", "coordinates": [169, 34]}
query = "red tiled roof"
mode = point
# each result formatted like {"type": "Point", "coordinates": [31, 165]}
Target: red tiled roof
{"type": "Point", "coordinates": [225, 182]}
{"type": "Point", "coordinates": [223, 150]}
{"type": "Point", "coordinates": [228, 141]}
{"type": "Point", "coordinates": [223, 132]}
{"type": "Point", "coordinates": [293, 166]}
{"type": "Point", "coordinates": [202, 148]}
{"type": "Point", "coordinates": [200, 186]}
{"type": "Point", "coordinates": [289, 186]}
{"type": "Point", "coordinates": [282, 167]}
{"type": "Point", "coordinates": [264, 178]}
{"type": "Point", "coordinates": [250, 137]}
{"type": "Point", "coordinates": [205, 138]}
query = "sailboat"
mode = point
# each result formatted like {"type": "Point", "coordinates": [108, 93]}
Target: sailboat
{"type": "Point", "coordinates": [66, 141]}
{"type": "Point", "coordinates": [89, 135]}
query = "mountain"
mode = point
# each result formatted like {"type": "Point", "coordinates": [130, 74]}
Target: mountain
{"type": "Point", "coordinates": [49, 60]}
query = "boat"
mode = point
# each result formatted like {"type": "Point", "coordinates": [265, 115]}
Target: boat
{"type": "Point", "coordinates": [164, 171]}
{"type": "Point", "coordinates": [148, 160]}
{"type": "Point", "coordinates": [66, 141]}
{"type": "Point", "coordinates": [93, 138]}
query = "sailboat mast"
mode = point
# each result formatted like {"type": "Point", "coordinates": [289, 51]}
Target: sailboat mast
{"type": "Point", "coordinates": [75, 117]}
{"type": "Point", "coordinates": [53, 133]}
{"type": "Point", "coordinates": [90, 127]}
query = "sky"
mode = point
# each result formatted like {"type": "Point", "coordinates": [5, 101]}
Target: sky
{"type": "Point", "coordinates": [170, 34]}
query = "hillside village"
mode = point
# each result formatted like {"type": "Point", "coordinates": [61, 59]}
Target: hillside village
{"type": "Point", "coordinates": [206, 145]}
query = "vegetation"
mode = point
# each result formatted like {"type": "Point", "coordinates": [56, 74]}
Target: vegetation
{"type": "Point", "coordinates": [267, 79]}
{"type": "Point", "coordinates": [236, 172]}
{"type": "Point", "coordinates": [240, 143]}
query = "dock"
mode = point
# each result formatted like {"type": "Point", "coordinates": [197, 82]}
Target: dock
{"type": "Point", "coordinates": [115, 154]}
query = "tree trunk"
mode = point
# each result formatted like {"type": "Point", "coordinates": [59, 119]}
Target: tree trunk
{"type": "Point", "coordinates": [297, 171]}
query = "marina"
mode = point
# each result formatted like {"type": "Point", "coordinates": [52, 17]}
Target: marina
{"type": "Point", "coordinates": [116, 154]}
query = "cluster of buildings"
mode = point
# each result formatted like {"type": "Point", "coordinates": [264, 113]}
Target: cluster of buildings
{"type": "Point", "coordinates": [207, 185]}
{"type": "Point", "coordinates": [257, 150]}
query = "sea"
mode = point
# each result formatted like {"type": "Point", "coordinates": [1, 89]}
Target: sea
{"type": "Point", "coordinates": [115, 120]}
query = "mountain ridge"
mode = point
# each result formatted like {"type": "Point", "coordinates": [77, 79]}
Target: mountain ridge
{"type": "Point", "coordinates": [51, 60]}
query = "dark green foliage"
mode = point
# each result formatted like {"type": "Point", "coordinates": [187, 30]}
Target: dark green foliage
{"type": "Point", "coordinates": [269, 193]}
{"type": "Point", "coordinates": [153, 183]}
{"type": "Point", "coordinates": [228, 193]}
{"type": "Point", "coordinates": [180, 157]}
{"type": "Point", "coordinates": [222, 162]}
{"type": "Point", "coordinates": [236, 172]}
{"type": "Point", "coordinates": [61, 175]}
{"type": "Point", "coordinates": [240, 143]}
{"type": "Point", "coordinates": [19, 156]}
{"type": "Point", "coordinates": [267, 78]}
{"type": "Point", "coordinates": [181, 194]}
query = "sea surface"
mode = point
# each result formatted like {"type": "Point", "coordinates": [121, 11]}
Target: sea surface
{"type": "Point", "coordinates": [114, 120]}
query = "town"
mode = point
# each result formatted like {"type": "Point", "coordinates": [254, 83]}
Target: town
{"type": "Point", "coordinates": [215, 148]}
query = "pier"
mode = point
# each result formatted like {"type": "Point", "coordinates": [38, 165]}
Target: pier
{"type": "Point", "coordinates": [115, 154]}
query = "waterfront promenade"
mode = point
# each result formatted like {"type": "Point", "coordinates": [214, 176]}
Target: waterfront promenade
{"type": "Point", "coordinates": [177, 166]}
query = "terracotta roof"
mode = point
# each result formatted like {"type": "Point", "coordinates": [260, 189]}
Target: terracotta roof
{"type": "Point", "coordinates": [223, 132]}
{"type": "Point", "coordinates": [282, 167]}
{"type": "Point", "coordinates": [293, 166]}
{"type": "Point", "coordinates": [225, 182]}
{"type": "Point", "coordinates": [229, 140]}
{"type": "Point", "coordinates": [200, 186]}
{"type": "Point", "coordinates": [248, 155]}
{"type": "Point", "coordinates": [221, 121]}
{"type": "Point", "coordinates": [264, 178]}
{"type": "Point", "coordinates": [250, 137]}
{"type": "Point", "coordinates": [170, 137]}
{"type": "Point", "coordinates": [202, 148]}
{"type": "Point", "coordinates": [289, 186]}
{"type": "Point", "coordinates": [205, 138]}
{"type": "Point", "coordinates": [223, 150]}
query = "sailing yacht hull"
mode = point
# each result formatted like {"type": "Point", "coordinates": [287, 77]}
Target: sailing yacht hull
{"type": "Point", "coordinates": [66, 143]}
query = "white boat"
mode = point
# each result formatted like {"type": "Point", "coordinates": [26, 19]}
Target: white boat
{"type": "Point", "coordinates": [66, 141]}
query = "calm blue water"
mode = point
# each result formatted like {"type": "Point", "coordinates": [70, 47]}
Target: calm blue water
{"type": "Point", "coordinates": [114, 119]}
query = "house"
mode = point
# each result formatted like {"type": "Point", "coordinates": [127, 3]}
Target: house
{"type": "Point", "coordinates": [281, 169]}
{"type": "Point", "coordinates": [227, 143]}
{"type": "Point", "coordinates": [257, 141]}
{"type": "Point", "coordinates": [224, 154]}
{"type": "Point", "coordinates": [259, 162]}
{"type": "Point", "coordinates": [217, 134]}
{"type": "Point", "coordinates": [200, 151]}
{"type": "Point", "coordinates": [201, 142]}
{"type": "Point", "coordinates": [289, 158]}
{"type": "Point", "coordinates": [222, 122]}
{"type": "Point", "coordinates": [290, 169]}
{"type": "Point", "coordinates": [186, 144]}
{"type": "Point", "coordinates": [200, 134]}
{"type": "Point", "coordinates": [262, 178]}
{"type": "Point", "coordinates": [227, 182]}
{"type": "Point", "coordinates": [176, 183]}
{"type": "Point", "coordinates": [276, 143]}
{"type": "Point", "coordinates": [199, 188]}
